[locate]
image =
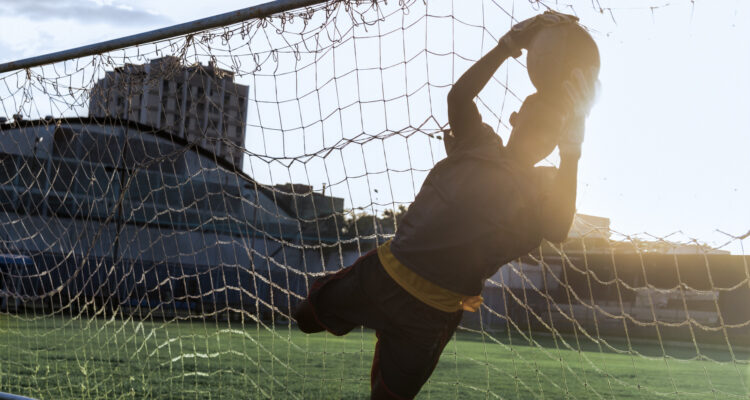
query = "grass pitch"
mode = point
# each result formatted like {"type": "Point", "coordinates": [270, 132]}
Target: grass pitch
{"type": "Point", "coordinates": [64, 358]}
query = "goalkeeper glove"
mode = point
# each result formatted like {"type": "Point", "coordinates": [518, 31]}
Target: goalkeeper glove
{"type": "Point", "coordinates": [520, 34]}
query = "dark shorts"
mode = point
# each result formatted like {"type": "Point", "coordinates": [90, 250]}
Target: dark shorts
{"type": "Point", "coordinates": [411, 335]}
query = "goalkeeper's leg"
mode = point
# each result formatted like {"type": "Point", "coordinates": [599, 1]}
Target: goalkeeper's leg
{"type": "Point", "coordinates": [342, 301]}
{"type": "Point", "coordinates": [409, 347]}
{"type": "Point", "coordinates": [411, 334]}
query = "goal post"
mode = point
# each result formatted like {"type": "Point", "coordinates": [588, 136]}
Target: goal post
{"type": "Point", "coordinates": [167, 198]}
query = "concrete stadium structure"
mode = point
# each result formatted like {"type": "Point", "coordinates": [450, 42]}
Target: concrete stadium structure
{"type": "Point", "coordinates": [118, 215]}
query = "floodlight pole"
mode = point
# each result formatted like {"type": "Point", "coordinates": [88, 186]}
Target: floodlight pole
{"type": "Point", "coordinates": [232, 17]}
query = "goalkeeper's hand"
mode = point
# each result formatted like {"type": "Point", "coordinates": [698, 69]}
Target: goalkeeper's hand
{"type": "Point", "coordinates": [520, 35]}
{"type": "Point", "coordinates": [580, 93]}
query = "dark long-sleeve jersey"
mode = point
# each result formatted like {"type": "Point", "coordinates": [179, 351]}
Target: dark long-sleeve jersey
{"type": "Point", "coordinates": [477, 210]}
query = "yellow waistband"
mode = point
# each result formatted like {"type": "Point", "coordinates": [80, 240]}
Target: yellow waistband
{"type": "Point", "coordinates": [424, 290]}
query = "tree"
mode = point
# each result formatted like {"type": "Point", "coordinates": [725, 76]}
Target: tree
{"type": "Point", "coordinates": [365, 224]}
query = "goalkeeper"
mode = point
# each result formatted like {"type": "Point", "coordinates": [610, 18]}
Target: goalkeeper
{"type": "Point", "coordinates": [480, 208]}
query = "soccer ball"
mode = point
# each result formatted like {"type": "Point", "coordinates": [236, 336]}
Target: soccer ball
{"type": "Point", "coordinates": [558, 49]}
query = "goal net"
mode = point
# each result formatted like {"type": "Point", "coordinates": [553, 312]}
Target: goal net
{"type": "Point", "coordinates": [165, 205]}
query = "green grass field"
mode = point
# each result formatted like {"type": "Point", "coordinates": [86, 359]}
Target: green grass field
{"type": "Point", "coordinates": [63, 358]}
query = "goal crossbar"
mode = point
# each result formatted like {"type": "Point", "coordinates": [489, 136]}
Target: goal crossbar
{"type": "Point", "coordinates": [258, 11]}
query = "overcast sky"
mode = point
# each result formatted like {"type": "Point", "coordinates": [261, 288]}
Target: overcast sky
{"type": "Point", "coordinates": [32, 27]}
{"type": "Point", "coordinates": [667, 144]}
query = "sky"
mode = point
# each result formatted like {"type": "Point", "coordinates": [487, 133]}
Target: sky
{"type": "Point", "coordinates": [666, 145]}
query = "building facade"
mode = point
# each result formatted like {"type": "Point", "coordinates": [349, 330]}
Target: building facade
{"type": "Point", "coordinates": [201, 104]}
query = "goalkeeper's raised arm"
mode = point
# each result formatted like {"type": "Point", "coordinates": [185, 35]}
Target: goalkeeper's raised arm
{"type": "Point", "coordinates": [463, 115]}
{"type": "Point", "coordinates": [559, 205]}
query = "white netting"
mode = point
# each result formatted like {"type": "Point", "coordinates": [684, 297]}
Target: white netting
{"type": "Point", "coordinates": [164, 206]}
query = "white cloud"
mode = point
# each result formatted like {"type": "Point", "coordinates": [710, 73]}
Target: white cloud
{"type": "Point", "coordinates": [81, 11]}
